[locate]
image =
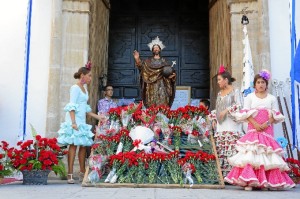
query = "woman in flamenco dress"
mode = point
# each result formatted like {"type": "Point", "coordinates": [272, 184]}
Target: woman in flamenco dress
{"type": "Point", "coordinates": [259, 162]}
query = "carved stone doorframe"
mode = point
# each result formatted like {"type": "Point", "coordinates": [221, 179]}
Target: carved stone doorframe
{"type": "Point", "coordinates": [225, 19]}
{"type": "Point", "coordinates": [80, 32]}
{"type": "Point", "coordinates": [70, 47]}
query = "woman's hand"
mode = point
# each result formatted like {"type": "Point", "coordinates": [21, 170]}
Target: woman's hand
{"type": "Point", "coordinates": [257, 126]}
{"type": "Point", "coordinates": [102, 118]}
{"type": "Point", "coordinates": [74, 126]}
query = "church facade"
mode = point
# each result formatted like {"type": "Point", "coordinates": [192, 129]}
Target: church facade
{"type": "Point", "coordinates": [107, 31]}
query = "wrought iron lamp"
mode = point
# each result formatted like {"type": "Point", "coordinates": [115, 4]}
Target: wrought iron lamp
{"type": "Point", "coordinates": [245, 20]}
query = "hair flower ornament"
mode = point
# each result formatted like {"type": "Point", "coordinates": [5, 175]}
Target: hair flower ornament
{"type": "Point", "coordinates": [222, 69]}
{"type": "Point", "coordinates": [88, 65]}
{"type": "Point", "coordinates": [265, 74]}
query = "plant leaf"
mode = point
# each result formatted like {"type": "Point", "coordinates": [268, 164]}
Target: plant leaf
{"type": "Point", "coordinates": [33, 131]}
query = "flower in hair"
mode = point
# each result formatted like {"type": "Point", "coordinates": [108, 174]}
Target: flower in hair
{"type": "Point", "coordinates": [88, 65]}
{"type": "Point", "coordinates": [222, 69]}
{"type": "Point", "coordinates": [265, 74]}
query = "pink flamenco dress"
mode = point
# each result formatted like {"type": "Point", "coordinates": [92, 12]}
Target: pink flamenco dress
{"type": "Point", "coordinates": [259, 161]}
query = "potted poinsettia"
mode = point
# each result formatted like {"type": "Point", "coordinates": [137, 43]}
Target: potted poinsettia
{"type": "Point", "coordinates": [5, 166]}
{"type": "Point", "coordinates": [36, 158]}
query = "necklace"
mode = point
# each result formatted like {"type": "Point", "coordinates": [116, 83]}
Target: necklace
{"type": "Point", "coordinates": [225, 92]}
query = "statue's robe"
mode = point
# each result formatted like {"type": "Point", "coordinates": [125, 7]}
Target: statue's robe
{"type": "Point", "coordinates": [156, 89]}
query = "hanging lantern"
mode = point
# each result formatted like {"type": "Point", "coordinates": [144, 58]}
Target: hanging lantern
{"type": "Point", "coordinates": [245, 20]}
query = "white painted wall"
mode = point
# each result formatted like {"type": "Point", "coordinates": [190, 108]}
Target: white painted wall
{"type": "Point", "coordinates": [12, 51]}
{"type": "Point", "coordinates": [280, 45]}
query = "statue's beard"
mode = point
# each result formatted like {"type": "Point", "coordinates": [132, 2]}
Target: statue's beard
{"type": "Point", "coordinates": [156, 53]}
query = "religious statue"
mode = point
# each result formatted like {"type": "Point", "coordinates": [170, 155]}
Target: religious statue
{"type": "Point", "coordinates": [157, 76]}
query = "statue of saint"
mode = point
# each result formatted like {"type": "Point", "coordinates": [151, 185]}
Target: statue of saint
{"type": "Point", "coordinates": [157, 77]}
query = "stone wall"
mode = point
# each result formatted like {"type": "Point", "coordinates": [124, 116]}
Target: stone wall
{"type": "Point", "coordinates": [98, 51]}
{"type": "Point", "coordinates": [226, 36]}
{"type": "Point", "coordinates": [258, 32]}
{"type": "Point", "coordinates": [69, 52]}
{"type": "Point", "coordinates": [219, 44]}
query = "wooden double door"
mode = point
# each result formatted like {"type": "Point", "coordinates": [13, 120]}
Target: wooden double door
{"type": "Point", "coordinates": [182, 25]}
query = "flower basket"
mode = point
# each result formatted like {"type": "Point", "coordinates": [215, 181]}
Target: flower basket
{"type": "Point", "coordinates": [35, 177]}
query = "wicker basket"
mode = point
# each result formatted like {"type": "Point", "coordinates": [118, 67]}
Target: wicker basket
{"type": "Point", "coordinates": [35, 177]}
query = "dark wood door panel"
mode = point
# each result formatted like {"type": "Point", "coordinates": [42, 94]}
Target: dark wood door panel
{"type": "Point", "coordinates": [153, 26]}
{"type": "Point", "coordinates": [182, 26]}
{"type": "Point", "coordinates": [200, 93]}
{"type": "Point", "coordinates": [194, 78]}
{"type": "Point", "coordinates": [127, 92]}
{"type": "Point", "coordinates": [194, 50]}
{"type": "Point", "coordinates": [123, 77]}
{"type": "Point", "coordinates": [121, 44]}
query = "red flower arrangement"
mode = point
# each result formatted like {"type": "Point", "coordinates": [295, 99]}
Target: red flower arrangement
{"type": "Point", "coordinates": [195, 159]}
{"type": "Point", "coordinates": [115, 113]}
{"type": "Point", "coordinates": [38, 154]}
{"type": "Point", "coordinates": [295, 169]}
{"type": "Point", "coordinates": [5, 166]}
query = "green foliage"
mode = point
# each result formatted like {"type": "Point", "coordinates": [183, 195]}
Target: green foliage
{"type": "Point", "coordinates": [60, 169]}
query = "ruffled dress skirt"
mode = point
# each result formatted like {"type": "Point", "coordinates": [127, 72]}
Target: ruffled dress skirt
{"type": "Point", "coordinates": [258, 162]}
{"type": "Point", "coordinates": [81, 137]}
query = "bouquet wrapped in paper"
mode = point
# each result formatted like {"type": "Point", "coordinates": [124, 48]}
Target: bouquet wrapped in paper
{"type": "Point", "coordinates": [126, 113]}
{"type": "Point", "coordinates": [188, 169]}
{"type": "Point", "coordinates": [163, 121]}
{"type": "Point", "coordinates": [141, 136]}
{"type": "Point", "coordinates": [96, 163]}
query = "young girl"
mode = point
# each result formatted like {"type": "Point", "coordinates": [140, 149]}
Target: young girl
{"type": "Point", "coordinates": [258, 162]}
{"type": "Point", "coordinates": [74, 131]}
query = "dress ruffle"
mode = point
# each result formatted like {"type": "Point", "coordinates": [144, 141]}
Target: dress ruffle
{"type": "Point", "coordinates": [71, 107]}
{"type": "Point", "coordinates": [88, 108]}
{"type": "Point", "coordinates": [243, 115]}
{"type": "Point", "coordinates": [260, 142]}
{"type": "Point", "coordinates": [258, 163]}
{"type": "Point", "coordinates": [212, 116]}
{"type": "Point", "coordinates": [278, 117]}
{"type": "Point", "coordinates": [248, 176]}
{"type": "Point", "coordinates": [81, 137]}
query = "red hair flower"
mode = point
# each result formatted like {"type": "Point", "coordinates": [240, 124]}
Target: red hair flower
{"type": "Point", "coordinates": [88, 65]}
{"type": "Point", "coordinates": [222, 69]}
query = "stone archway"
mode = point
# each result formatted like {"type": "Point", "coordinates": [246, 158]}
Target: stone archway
{"type": "Point", "coordinates": [80, 32]}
